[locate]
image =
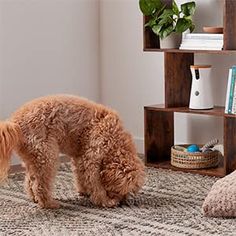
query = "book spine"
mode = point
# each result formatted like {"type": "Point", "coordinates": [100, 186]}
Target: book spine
{"type": "Point", "coordinates": [234, 96]}
{"type": "Point", "coordinates": [200, 48]}
{"type": "Point", "coordinates": [193, 44]}
{"type": "Point", "coordinates": [202, 41]}
{"type": "Point", "coordinates": [228, 91]}
{"type": "Point", "coordinates": [234, 102]}
{"type": "Point", "coordinates": [231, 94]}
{"type": "Point", "coordinates": [204, 36]}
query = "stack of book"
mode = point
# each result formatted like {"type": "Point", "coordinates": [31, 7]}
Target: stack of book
{"type": "Point", "coordinates": [230, 103]}
{"type": "Point", "coordinates": [202, 41]}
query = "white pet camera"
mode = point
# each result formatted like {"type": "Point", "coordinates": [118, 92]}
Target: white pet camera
{"type": "Point", "coordinates": [201, 91]}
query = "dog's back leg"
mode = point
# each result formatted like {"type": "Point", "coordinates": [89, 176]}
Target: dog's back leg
{"type": "Point", "coordinates": [41, 167]}
{"type": "Point", "coordinates": [29, 180]}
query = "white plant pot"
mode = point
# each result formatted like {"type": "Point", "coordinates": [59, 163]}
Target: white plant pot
{"type": "Point", "coordinates": [172, 41]}
{"type": "Point", "coordinates": [201, 96]}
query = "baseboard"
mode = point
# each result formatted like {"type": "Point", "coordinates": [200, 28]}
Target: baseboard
{"type": "Point", "coordinates": [139, 143]}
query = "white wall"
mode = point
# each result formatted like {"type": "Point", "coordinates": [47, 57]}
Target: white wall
{"type": "Point", "coordinates": [132, 79]}
{"type": "Point", "coordinates": [47, 47]}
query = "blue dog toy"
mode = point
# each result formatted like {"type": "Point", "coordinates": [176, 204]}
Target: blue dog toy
{"type": "Point", "coordinates": [193, 148]}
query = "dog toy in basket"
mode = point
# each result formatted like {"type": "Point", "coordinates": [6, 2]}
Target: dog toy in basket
{"type": "Point", "coordinates": [209, 145]}
{"type": "Point", "coordinates": [193, 148]}
{"type": "Point", "coordinates": [206, 148]}
{"type": "Point", "coordinates": [193, 157]}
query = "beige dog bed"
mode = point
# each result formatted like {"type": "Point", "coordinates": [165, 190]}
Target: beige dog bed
{"type": "Point", "coordinates": [221, 200]}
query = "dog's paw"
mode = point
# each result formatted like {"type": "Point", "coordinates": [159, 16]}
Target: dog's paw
{"type": "Point", "coordinates": [82, 192]}
{"type": "Point", "coordinates": [110, 202]}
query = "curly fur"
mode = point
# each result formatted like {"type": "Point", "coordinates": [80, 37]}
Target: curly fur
{"type": "Point", "coordinates": [103, 156]}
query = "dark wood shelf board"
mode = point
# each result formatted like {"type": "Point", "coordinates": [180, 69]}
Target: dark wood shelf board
{"type": "Point", "coordinates": [217, 171]}
{"type": "Point", "coordinates": [216, 111]}
{"type": "Point", "coordinates": [189, 51]}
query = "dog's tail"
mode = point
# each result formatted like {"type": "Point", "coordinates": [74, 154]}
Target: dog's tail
{"type": "Point", "coordinates": [9, 137]}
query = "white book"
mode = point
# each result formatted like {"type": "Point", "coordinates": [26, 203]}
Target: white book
{"type": "Point", "coordinates": [200, 48]}
{"type": "Point", "coordinates": [233, 110]}
{"type": "Point", "coordinates": [234, 102]}
{"type": "Point", "coordinates": [228, 90]}
{"type": "Point", "coordinates": [203, 36]}
{"type": "Point", "coordinates": [231, 92]}
{"type": "Point", "coordinates": [203, 41]}
{"type": "Point", "coordinates": [211, 45]}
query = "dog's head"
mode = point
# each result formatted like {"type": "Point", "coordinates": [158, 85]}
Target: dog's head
{"type": "Point", "coordinates": [122, 171]}
{"type": "Point", "coordinates": [123, 178]}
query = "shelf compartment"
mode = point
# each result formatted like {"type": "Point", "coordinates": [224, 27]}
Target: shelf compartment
{"type": "Point", "coordinates": [216, 111]}
{"type": "Point", "coordinates": [159, 138]}
{"type": "Point", "coordinates": [151, 40]}
{"type": "Point", "coordinates": [217, 171]}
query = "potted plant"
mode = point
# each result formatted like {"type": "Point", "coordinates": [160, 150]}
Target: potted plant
{"type": "Point", "coordinates": [168, 22]}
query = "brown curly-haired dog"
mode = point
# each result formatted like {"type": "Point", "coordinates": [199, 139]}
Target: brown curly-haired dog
{"type": "Point", "coordinates": [104, 160]}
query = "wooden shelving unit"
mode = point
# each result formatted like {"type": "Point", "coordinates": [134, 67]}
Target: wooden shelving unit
{"type": "Point", "coordinates": [159, 119]}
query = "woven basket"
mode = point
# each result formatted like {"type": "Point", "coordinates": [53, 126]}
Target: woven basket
{"type": "Point", "coordinates": [194, 160]}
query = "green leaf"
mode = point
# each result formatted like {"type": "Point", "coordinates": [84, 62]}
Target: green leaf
{"type": "Point", "coordinates": [166, 31]}
{"type": "Point", "coordinates": [161, 10]}
{"type": "Point", "coordinates": [175, 8]}
{"type": "Point", "coordinates": [188, 8]}
{"type": "Point", "coordinates": [158, 3]}
{"type": "Point", "coordinates": [151, 22]}
{"type": "Point", "coordinates": [188, 17]}
{"type": "Point", "coordinates": [156, 29]}
{"type": "Point", "coordinates": [192, 27]}
{"type": "Point", "coordinates": [149, 7]}
{"type": "Point", "coordinates": [182, 25]}
{"type": "Point", "coordinates": [166, 13]}
{"type": "Point", "coordinates": [166, 21]}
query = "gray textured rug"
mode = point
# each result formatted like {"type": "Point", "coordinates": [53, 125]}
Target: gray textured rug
{"type": "Point", "coordinates": [169, 204]}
